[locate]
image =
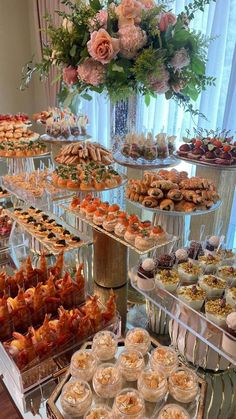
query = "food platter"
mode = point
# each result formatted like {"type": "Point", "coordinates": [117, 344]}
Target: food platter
{"type": "Point", "coordinates": [27, 157]}
{"type": "Point", "coordinates": [229, 168]}
{"type": "Point", "coordinates": [123, 182]}
{"type": "Point", "coordinates": [176, 213]}
{"type": "Point", "coordinates": [143, 164]}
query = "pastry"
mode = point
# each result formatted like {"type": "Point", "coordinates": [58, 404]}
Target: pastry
{"type": "Point", "coordinates": [104, 345]}
{"type": "Point", "coordinates": [175, 195]}
{"type": "Point", "coordinates": [212, 285]}
{"type": "Point", "coordinates": [152, 385]}
{"type": "Point", "coordinates": [184, 206]}
{"type": "Point", "coordinates": [145, 275]}
{"type": "Point", "coordinates": [138, 339]}
{"type": "Point", "coordinates": [168, 280]}
{"type": "Point", "coordinates": [164, 359]}
{"type": "Point", "coordinates": [150, 202]}
{"type": "Point", "coordinates": [99, 216]}
{"type": "Point", "coordinates": [83, 365]}
{"type": "Point", "coordinates": [131, 233]}
{"type": "Point", "coordinates": [183, 385]}
{"type": "Point", "coordinates": [158, 233]}
{"type": "Point", "coordinates": [189, 272]}
{"type": "Point", "coordinates": [109, 223]}
{"type": "Point", "coordinates": [155, 193]}
{"type": "Point", "coordinates": [167, 205]}
{"type": "Point", "coordinates": [121, 227]}
{"type": "Point", "coordinates": [173, 411]}
{"type": "Point", "coordinates": [192, 295]}
{"type": "Point", "coordinates": [84, 152]}
{"type": "Point", "coordinates": [217, 311]}
{"type": "Point", "coordinates": [130, 364]}
{"type": "Point", "coordinates": [107, 381]}
{"type": "Point", "coordinates": [144, 241]}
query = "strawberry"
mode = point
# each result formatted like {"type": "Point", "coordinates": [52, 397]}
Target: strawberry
{"type": "Point", "coordinates": [217, 143]}
{"type": "Point", "coordinates": [227, 148]}
{"type": "Point", "coordinates": [198, 143]}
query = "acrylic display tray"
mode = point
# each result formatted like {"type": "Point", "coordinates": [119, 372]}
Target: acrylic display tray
{"type": "Point", "coordinates": [176, 213]}
{"type": "Point", "coordinates": [192, 321]}
{"type": "Point", "coordinates": [144, 164]}
{"type": "Point", "coordinates": [42, 370]}
{"type": "Point", "coordinates": [62, 140]}
{"type": "Point", "coordinates": [195, 408]}
{"type": "Point", "coordinates": [216, 166]}
{"type": "Point", "coordinates": [163, 242]}
{"type": "Point", "coordinates": [85, 240]}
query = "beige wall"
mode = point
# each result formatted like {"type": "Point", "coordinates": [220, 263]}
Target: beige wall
{"type": "Point", "coordinates": [17, 45]}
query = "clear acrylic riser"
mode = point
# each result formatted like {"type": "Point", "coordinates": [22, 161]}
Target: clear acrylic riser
{"type": "Point", "coordinates": [144, 164]}
{"type": "Point", "coordinates": [188, 321]}
{"type": "Point", "coordinates": [23, 164]}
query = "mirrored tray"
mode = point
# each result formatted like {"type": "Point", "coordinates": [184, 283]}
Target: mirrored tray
{"type": "Point", "coordinates": [144, 164]}
{"type": "Point", "coordinates": [192, 321]}
{"type": "Point", "coordinates": [85, 240]}
{"type": "Point", "coordinates": [163, 242]}
{"type": "Point", "coordinates": [176, 213]}
{"type": "Point", "coordinates": [62, 140]}
{"type": "Point", "coordinates": [195, 408]}
{"type": "Point", "coordinates": [229, 168]}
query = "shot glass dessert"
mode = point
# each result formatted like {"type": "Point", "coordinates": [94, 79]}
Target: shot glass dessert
{"type": "Point", "coordinates": [164, 359]}
{"type": "Point", "coordinates": [217, 311]}
{"type": "Point", "coordinates": [230, 296]}
{"type": "Point", "coordinates": [107, 381]}
{"type": "Point", "coordinates": [228, 273]}
{"type": "Point", "coordinates": [129, 404]}
{"type": "Point", "coordinates": [189, 272]}
{"type": "Point", "coordinates": [168, 280]}
{"type": "Point", "coordinates": [212, 285]}
{"type": "Point", "coordinates": [83, 365]}
{"type": "Point", "coordinates": [192, 295]}
{"type": "Point", "coordinates": [138, 339]}
{"type": "Point", "coordinates": [145, 275]}
{"type": "Point", "coordinates": [183, 385]}
{"type": "Point", "coordinates": [229, 340]}
{"type": "Point", "coordinates": [152, 385]}
{"type": "Point", "coordinates": [104, 345]}
{"type": "Point", "coordinates": [209, 263]}
{"type": "Point", "coordinates": [131, 364]}
{"type": "Point", "coordinates": [99, 412]}
{"type": "Point", "coordinates": [173, 411]}
{"type": "Point", "coordinates": [76, 397]}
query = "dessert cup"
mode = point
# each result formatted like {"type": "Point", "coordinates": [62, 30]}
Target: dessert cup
{"type": "Point", "coordinates": [99, 412]}
{"type": "Point", "coordinates": [145, 275]}
{"type": "Point", "coordinates": [138, 339]}
{"type": "Point", "coordinates": [183, 385]}
{"type": "Point", "coordinates": [230, 296]}
{"type": "Point", "coordinates": [209, 263]}
{"type": "Point", "coordinates": [173, 411]}
{"type": "Point", "coordinates": [229, 340]}
{"type": "Point", "coordinates": [164, 359]}
{"type": "Point", "coordinates": [217, 311]}
{"type": "Point", "coordinates": [228, 273]}
{"type": "Point", "coordinates": [104, 345]}
{"type": "Point", "coordinates": [76, 398]}
{"type": "Point", "coordinates": [131, 364]}
{"type": "Point", "coordinates": [107, 380]}
{"type": "Point", "coordinates": [83, 365]}
{"type": "Point", "coordinates": [192, 295]}
{"type": "Point", "coordinates": [129, 404]}
{"type": "Point", "coordinates": [168, 280]}
{"type": "Point", "coordinates": [189, 272]}
{"type": "Point", "coordinates": [152, 385]}
{"type": "Point", "coordinates": [212, 285]}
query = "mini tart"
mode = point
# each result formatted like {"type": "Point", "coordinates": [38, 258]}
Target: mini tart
{"type": "Point", "coordinates": [109, 223]}
{"type": "Point", "coordinates": [183, 385]}
{"type": "Point", "coordinates": [217, 311]}
{"type": "Point", "coordinates": [139, 339]}
{"type": "Point", "coordinates": [168, 280]}
{"type": "Point", "coordinates": [189, 272]}
{"type": "Point", "coordinates": [99, 216]}
{"type": "Point", "coordinates": [152, 385]}
{"type": "Point", "coordinates": [51, 237]}
{"type": "Point", "coordinates": [209, 263]}
{"type": "Point", "coordinates": [231, 296]}
{"type": "Point", "coordinates": [58, 228]}
{"type": "Point", "coordinates": [173, 411]}
{"type": "Point", "coordinates": [143, 241]}
{"type": "Point", "coordinates": [158, 233]}
{"type": "Point", "coordinates": [212, 285]}
{"type": "Point", "coordinates": [129, 403]}
{"type": "Point", "coordinates": [121, 228]}
{"type": "Point", "coordinates": [74, 241]}
{"type": "Point", "coordinates": [17, 211]}
{"type": "Point", "coordinates": [192, 295]}
{"type": "Point", "coordinates": [131, 234]}
{"type": "Point", "coordinates": [41, 231]}
{"type": "Point", "coordinates": [228, 273]}
{"type": "Point", "coordinates": [65, 234]}
{"type": "Point", "coordinates": [60, 243]}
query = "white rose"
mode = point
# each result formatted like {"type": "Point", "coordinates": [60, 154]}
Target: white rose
{"type": "Point", "coordinates": [181, 59]}
{"type": "Point", "coordinates": [67, 25]}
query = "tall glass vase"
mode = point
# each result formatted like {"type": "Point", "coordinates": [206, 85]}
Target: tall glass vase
{"type": "Point", "coordinates": [123, 117]}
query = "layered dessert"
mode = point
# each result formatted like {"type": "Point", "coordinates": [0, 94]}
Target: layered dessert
{"type": "Point", "coordinates": [212, 285]}
{"type": "Point", "coordinates": [152, 385]}
{"type": "Point", "coordinates": [209, 263]}
{"type": "Point", "coordinates": [195, 250]}
{"type": "Point", "coordinates": [164, 359]}
{"type": "Point", "coordinates": [192, 295]}
{"type": "Point", "coordinates": [99, 412]}
{"type": "Point", "coordinates": [145, 274]}
{"type": "Point", "coordinates": [168, 280]}
{"type": "Point", "coordinates": [217, 311]}
{"type": "Point", "coordinates": [83, 365]}
{"type": "Point", "coordinates": [231, 296]}
{"type": "Point", "coordinates": [183, 385]}
{"type": "Point", "coordinates": [131, 364]}
{"type": "Point", "coordinates": [212, 243]}
{"type": "Point", "coordinates": [181, 255]}
{"type": "Point", "coordinates": [166, 261]}
{"type": "Point", "coordinates": [129, 404]}
{"type": "Point", "coordinates": [104, 345]}
{"type": "Point", "coordinates": [107, 381]}
{"type": "Point", "coordinates": [173, 411]}
{"type": "Point", "coordinates": [228, 273]}
{"type": "Point", "coordinates": [189, 272]}
{"type": "Point", "coordinates": [229, 342]}
{"type": "Point", "coordinates": [227, 256]}
{"type": "Point", "coordinates": [76, 397]}
{"type": "Point", "coordinates": [138, 339]}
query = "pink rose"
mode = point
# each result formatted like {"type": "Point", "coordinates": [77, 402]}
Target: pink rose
{"type": "Point", "coordinates": [91, 72]}
{"type": "Point", "coordinates": [102, 47]}
{"type": "Point", "coordinates": [129, 12]}
{"type": "Point", "coordinates": [166, 20]}
{"type": "Point", "coordinates": [132, 38]}
{"type": "Point", "coordinates": [147, 4]}
{"type": "Point", "coordinates": [178, 86]}
{"type": "Point", "coordinates": [159, 83]}
{"type": "Point", "coordinates": [70, 75]}
{"type": "Point", "coordinates": [100, 20]}
{"type": "Point", "coordinates": [181, 59]}
{"type": "Point", "coordinates": [160, 87]}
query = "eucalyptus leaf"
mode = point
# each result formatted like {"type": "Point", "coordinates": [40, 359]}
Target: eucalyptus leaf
{"type": "Point", "coordinates": [86, 96]}
{"type": "Point", "coordinates": [73, 51]}
{"type": "Point", "coordinates": [147, 100]}
{"type": "Point", "coordinates": [117, 68]}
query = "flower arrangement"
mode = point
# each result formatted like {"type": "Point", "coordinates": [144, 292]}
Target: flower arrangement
{"type": "Point", "coordinates": [126, 47]}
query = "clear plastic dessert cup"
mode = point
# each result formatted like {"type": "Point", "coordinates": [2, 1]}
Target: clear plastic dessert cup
{"type": "Point", "coordinates": [152, 385]}
{"type": "Point", "coordinates": [107, 380]}
{"type": "Point", "coordinates": [76, 398]}
{"type": "Point", "coordinates": [164, 359]}
{"type": "Point", "coordinates": [129, 404]}
{"type": "Point", "coordinates": [99, 412]}
{"type": "Point", "coordinates": [173, 411]}
{"type": "Point", "coordinates": [83, 365]}
{"type": "Point", "coordinates": [131, 364]}
{"type": "Point", "coordinates": [104, 345]}
{"type": "Point", "coordinates": [139, 339]}
{"type": "Point", "coordinates": [183, 385]}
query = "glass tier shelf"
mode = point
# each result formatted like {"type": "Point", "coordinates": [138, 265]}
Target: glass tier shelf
{"type": "Point", "coordinates": [162, 242]}
{"type": "Point", "coordinates": [144, 164]}
{"type": "Point", "coordinates": [228, 168]}
{"type": "Point", "coordinates": [176, 213]}
{"type": "Point", "coordinates": [193, 321]}
{"type": "Point", "coordinates": [85, 240]}
{"type": "Point", "coordinates": [62, 140]}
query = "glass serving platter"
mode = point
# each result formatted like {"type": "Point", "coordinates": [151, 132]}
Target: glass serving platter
{"type": "Point", "coordinates": [62, 140]}
{"type": "Point", "coordinates": [85, 240]}
{"type": "Point", "coordinates": [163, 242]}
{"type": "Point", "coordinates": [46, 153]}
{"type": "Point", "coordinates": [191, 320]}
{"type": "Point", "coordinates": [195, 408]}
{"type": "Point", "coordinates": [176, 213]}
{"type": "Point", "coordinates": [144, 164]}
{"type": "Point", "coordinates": [228, 168]}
